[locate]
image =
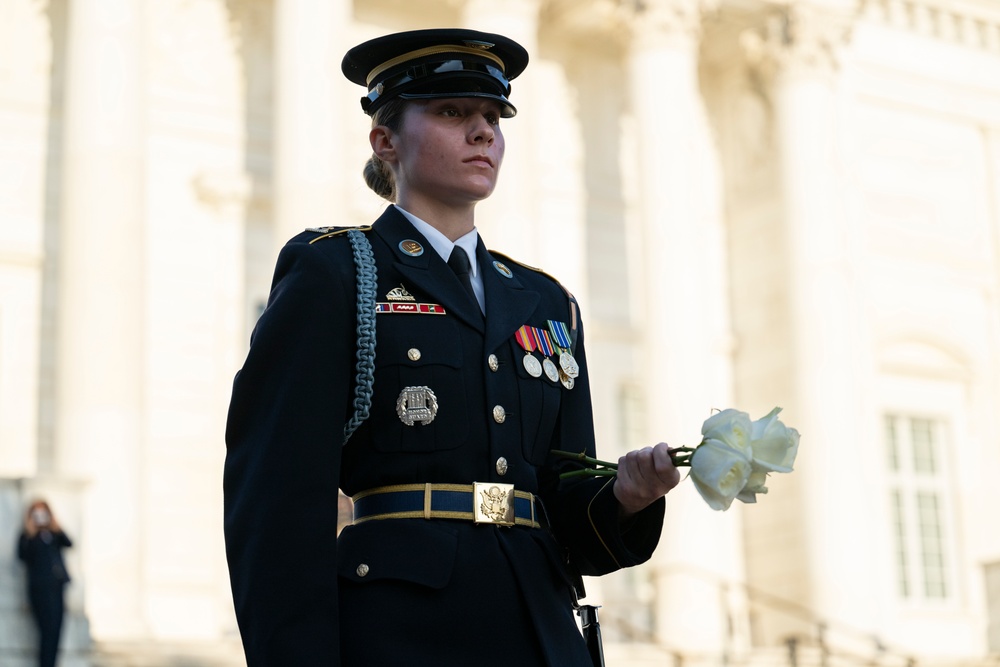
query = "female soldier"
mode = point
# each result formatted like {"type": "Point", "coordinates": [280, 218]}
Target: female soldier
{"type": "Point", "coordinates": [466, 544]}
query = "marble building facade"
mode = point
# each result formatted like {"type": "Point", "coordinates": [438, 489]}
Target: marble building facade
{"type": "Point", "coordinates": [757, 203]}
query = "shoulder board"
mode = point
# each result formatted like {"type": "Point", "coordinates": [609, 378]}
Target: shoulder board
{"type": "Point", "coordinates": [328, 232]}
{"type": "Point", "coordinates": [530, 268]}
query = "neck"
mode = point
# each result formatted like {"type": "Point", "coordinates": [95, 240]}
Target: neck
{"type": "Point", "coordinates": [452, 221]}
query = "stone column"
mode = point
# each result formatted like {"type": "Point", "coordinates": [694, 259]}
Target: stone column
{"type": "Point", "coordinates": [685, 361]}
{"type": "Point", "coordinates": [100, 358]}
{"type": "Point", "coordinates": [829, 359]}
{"type": "Point", "coordinates": [308, 172]}
{"type": "Point", "coordinates": [508, 219]}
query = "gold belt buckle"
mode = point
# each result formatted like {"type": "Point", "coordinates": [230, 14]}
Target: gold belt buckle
{"type": "Point", "coordinates": [493, 503]}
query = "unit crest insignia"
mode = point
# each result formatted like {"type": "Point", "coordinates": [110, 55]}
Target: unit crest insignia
{"type": "Point", "coordinates": [503, 270]}
{"type": "Point", "coordinates": [411, 247]}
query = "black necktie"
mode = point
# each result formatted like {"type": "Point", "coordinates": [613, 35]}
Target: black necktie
{"type": "Point", "coordinates": [459, 263]}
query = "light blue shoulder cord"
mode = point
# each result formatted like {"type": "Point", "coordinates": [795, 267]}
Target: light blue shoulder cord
{"type": "Point", "coordinates": [364, 260]}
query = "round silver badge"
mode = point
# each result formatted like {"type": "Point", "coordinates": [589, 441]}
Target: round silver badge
{"type": "Point", "coordinates": [569, 365]}
{"type": "Point", "coordinates": [532, 365]}
{"type": "Point", "coordinates": [551, 372]}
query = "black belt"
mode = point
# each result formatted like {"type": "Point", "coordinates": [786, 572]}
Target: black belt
{"type": "Point", "coordinates": [481, 502]}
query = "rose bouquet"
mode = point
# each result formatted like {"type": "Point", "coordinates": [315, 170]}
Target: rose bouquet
{"type": "Point", "coordinates": [731, 462]}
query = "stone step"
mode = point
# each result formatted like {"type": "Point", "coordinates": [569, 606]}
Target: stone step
{"type": "Point", "coordinates": [225, 653]}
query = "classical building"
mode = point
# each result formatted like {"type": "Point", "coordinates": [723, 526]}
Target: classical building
{"type": "Point", "coordinates": [757, 203]}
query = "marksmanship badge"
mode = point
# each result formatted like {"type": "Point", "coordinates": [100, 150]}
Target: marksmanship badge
{"type": "Point", "coordinates": [416, 404]}
{"type": "Point", "coordinates": [399, 294]}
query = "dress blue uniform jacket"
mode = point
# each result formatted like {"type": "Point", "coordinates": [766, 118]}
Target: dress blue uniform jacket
{"type": "Point", "coordinates": [434, 592]}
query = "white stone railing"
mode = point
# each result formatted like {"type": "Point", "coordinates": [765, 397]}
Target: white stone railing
{"type": "Point", "coordinates": [939, 19]}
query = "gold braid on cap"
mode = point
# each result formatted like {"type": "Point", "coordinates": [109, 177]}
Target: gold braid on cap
{"type": "Point", "coordinates": [430, 51]}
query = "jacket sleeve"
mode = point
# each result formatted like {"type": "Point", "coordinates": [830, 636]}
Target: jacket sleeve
{"type": "Point", "coordinates": [585, 512]}
{"type": "Point", "coordinates": [23, 547]}
{"type": "Point", "coordinates": [283, 437]}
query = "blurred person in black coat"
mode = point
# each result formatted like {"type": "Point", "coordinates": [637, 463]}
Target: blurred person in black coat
{"type": "Point", "coordinates": [467, 546]}
{"type": "Point", "coordinates": [40, 547]}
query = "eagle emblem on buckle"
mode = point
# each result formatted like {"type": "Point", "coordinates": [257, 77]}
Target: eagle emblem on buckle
{"type": "Point", "coordinates": [494, 503]}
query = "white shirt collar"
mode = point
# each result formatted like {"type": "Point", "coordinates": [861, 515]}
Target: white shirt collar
{"type": "Point", "coordinates": [441, 243]}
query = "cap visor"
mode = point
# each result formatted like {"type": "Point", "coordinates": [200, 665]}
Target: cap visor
{"type": "Point", "coordinates": [508, 109]}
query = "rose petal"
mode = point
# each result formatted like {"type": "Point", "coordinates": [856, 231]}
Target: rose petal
{"type": "Point", "coordinates": [719, 473]}
{"type": "Point", "coordinates": [730, 427]}
{"type": "Point", "coordinates": [754, 485]}
{"type": "Point", "coordinates": [774, 446]}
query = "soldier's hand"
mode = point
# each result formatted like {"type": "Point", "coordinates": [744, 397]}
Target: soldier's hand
{"type": "Point", "coordinates": [644, 476]}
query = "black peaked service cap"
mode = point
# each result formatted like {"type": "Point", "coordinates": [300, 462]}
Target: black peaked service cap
{"type": "Point", "coordinates": [427, 64]}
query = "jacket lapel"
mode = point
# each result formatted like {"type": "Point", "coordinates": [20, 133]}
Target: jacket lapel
{"type": "Point", "coordinates": [508, 303]}
{"type": "Point", "coordinates": [426, 272]}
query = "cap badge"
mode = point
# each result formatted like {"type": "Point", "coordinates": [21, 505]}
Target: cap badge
{"type": "Point", "coordinates": [476, 44]}
{"type": "Point", "coordinates": [399, 294]}
{"type": "Point", "coordinates": [416, 404]}
{"type": "Point", "coordinates": [503, 270]}
{"type": "Point", "coordinates": [411, 248]}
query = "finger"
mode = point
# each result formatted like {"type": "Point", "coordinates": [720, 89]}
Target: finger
{"type": "Point", "coordinates": [662, 462]}
{"type": "Point", "coordinates": [638, 464]}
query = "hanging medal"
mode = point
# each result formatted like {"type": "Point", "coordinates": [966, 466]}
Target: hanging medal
{"type": "Point", "coordinates": [566, 361]}
{"type": "Point", "coordinates": [566, 380]}
{"type": "Point", "coordinates": [528, 344]}
{"type": "Point", "coordinates": [547, 349]}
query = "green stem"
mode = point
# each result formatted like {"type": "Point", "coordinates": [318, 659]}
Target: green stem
{"type": "Point", "coordinates": [588, 472]}
{"type": "Point", "coordinates": [679, 456]}
{"type": "Point", "coordinates": [583, 458]}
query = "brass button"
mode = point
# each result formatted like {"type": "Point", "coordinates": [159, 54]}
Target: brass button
{"type": "Point", "coordinates": [501, 466]}
{"type": "Point", "coordinates": [413, 353]}
{"type": "Point", "coordinates": [494, 363]}
{"type": "Point", "coordinates": [362, 570]}
{"type": "Point", "coordinates": [499, 414]}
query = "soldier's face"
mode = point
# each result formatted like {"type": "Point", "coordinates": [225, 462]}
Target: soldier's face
{"type": "Point", "coordinates": [449, 150]}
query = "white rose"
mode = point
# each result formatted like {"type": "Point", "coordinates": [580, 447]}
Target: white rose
{"type": "Point", "coordinates": [719, 472]}
{"type": "Point", "coordinates": [774, 445]}
{"type": "Point", "coordinates": [729, 427]}
{"type": "Point", "coordinates": [754, 485]}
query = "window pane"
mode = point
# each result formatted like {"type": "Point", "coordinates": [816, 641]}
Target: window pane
{"type": "Point", "coordinates": [931, 545]}
{"type": "Point", "coordinates": [892, 443]}
{"type": "Point", "coordinates": [922, 435]}
{"type": "Point", "coordinates": [631, 416]}
{"type": "Point", "coordinates": [899, 531]}
{"type": "Point", "coordinates": [917, 486]}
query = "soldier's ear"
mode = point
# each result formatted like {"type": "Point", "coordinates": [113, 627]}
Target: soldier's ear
{"type": "Point", "coordinates": [383, 141]}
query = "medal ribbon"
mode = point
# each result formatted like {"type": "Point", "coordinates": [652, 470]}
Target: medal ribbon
{"type": "Point", "coordinates": [560, 333]}
{"type": "Point", "coordinates": [544, 342]}
{"type": "Point", "coordinates": [525, 339]}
